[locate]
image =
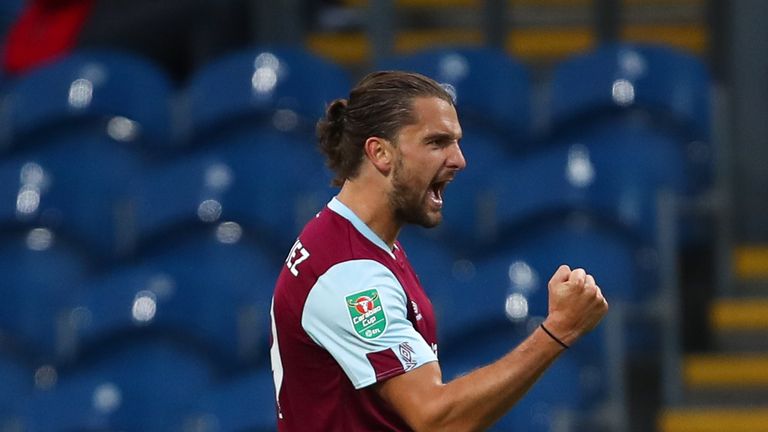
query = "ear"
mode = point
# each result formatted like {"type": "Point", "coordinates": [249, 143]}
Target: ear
{"type": "Point", "coordinates": [380, 152]}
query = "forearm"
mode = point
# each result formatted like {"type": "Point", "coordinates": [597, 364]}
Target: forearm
{"type": "Point", "coordinates": [478, 399]}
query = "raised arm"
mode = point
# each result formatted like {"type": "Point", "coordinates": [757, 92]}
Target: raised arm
{"type": "Point", "coordinates": [475, 401]}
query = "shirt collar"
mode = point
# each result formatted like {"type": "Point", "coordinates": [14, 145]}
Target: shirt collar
{"type": "Point", "coordinates": [342, 210]}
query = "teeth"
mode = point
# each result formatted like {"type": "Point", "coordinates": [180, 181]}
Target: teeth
{"type": "Point", "coordinates": [436, 194]}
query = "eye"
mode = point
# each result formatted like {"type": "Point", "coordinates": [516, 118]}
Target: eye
{"type": "Point", "coordinates": [439, 143]}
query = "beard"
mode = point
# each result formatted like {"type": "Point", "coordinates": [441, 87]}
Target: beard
{"type": "Point", "coordinates": [408, 203]}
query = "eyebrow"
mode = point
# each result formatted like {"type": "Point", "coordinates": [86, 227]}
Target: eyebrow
{"type": "Point", "coordinates": [441, 136]}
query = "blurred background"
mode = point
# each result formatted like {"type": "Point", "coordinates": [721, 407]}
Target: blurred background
{"type": "Point", "coordinates": [157, 159]}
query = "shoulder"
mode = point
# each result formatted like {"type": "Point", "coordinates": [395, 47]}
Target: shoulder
{"type": "Point", "coordinates": [331, 240]}
{"type": "Point", "coordinates": [357, 297]}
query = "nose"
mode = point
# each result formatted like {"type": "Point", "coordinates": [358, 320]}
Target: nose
{"type": "Point", "coordinates": [456, 159]}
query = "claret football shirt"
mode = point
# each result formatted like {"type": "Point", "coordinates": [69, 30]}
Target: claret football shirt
{"type": "Point", "coordinates": [347, 312]}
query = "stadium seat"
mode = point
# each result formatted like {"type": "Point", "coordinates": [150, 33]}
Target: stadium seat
{"type": "Point", "coordinates": [40, 274]}
{"type": "Point", "coordinates": [444, 275]}
{"type": "Point", "coordinates": [143, 387]}
{"type": "Point", "coordinates": [673, 86]}
{"type": "Point", "coordinates": [654, 86]}
{"type": "Point", "coordinates": [211, 290]}
{"type": "Point", "coordinates": [492, 90]}
{"type": "Point", "coordinates": [564, 398]}
{"type": "Point", "coordinates": [269, 181]}
{"type": "Point", "coordinates": [77, 128]}
{"type": "Point", "coordinates": [17, 379]}
{"type": "Point", "coordinates": [616, 172]}
{"type": "Point", "coordinates": [77, 186]}
{"type": "Point", "coordinates": [529, 254]}
{"type": "Point", "coordinates": [242, 403]}
{"type": "Point", "coordinates": [281, 87]}
{"type": "Point", "coordinates": [112, 92]}
{"type": "Point", "coordinates": [469, 207]}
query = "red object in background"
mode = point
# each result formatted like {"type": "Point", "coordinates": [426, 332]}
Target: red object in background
{"type": "Point", "coordinates": [45, 30]}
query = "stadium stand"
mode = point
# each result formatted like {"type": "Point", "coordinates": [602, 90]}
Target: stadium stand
{"type": "Point", "coordinates": [74, 132]}
{"type": "Point", "coordinates": [85, 90]}
{"type": "Point", "coordinates": [284, 88]}
{"type": "Point", "coordinates": [244, 402]}
{"type": "Point", "coordinates": [672, 85]}
{"type": "Point", "coordinates": [616, 171]}
{"type": "Point", "coordinates": [40, 275]}
{"type": "Point", "coordinates": [237, 177]}
{"type": "Point", "coordinates": [17, 380]}
{"type": "Point", "coordinates": [144, 386]}
{"type": "Point", "coordinates": [656, 86]}
{"type": "Point", "coordinates": [210, 290]}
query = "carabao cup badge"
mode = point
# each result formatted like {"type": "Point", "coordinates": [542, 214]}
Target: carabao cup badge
{"type": "Point", "coordinates": [367, 314]}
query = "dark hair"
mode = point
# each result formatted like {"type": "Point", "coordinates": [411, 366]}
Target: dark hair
{"type": "Point", "coordinates": [380, 105]}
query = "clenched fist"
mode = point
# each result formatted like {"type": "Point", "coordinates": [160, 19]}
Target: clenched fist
{"type": "Point", "coordinates": [576, 304]}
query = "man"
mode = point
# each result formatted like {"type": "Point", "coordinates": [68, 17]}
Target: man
{"type": "Point", "coordinates": [354, 346]}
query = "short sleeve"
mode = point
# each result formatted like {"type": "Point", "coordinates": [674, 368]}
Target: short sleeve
{"type": "Point", "coordinates": [357, 312]}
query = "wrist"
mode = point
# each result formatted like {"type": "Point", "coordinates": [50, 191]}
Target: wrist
{"type": "Point", "coordinates": [553, 337]}
{"type": "Point", "coordinates": [556, 329]}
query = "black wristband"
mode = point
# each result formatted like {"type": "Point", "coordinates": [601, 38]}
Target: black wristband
{"type": "Point", "coordinates": [562, 344]}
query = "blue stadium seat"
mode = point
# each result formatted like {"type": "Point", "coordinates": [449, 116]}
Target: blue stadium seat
{"type": "Point", "coordinates": [76, 128]}
{"type": "Point", "coordinates": [40, 274]}
{"type": "Point", "coordinates": [77, 186]}
{"type": "Point", "coordinates": [269, 181]}
{"type": "Point", "coordinates": [492, 89]}
{"type": "Point", "coordinates": [16, 378]}
{"type": "Point", "coordinates": [243, 403]}
{"type": "Point", "coordinates": [616, 172]}
{"type": "Point", "coordinates": [469, 211]}
{"type": "Point", "coordinates": [667, 83]}
{"type": "Point", "coordinates": [146, 387]}
{"type": "Point", "coordinates": [529, 254]}
{"type": "Point", "coordinates": [282, 87]}
{"type": "Point", "coordinates": [568, 389]}
{"type": "Point", "coordinates": [445, 276]}
{"type": "Point", "coordinates": [654, 86]}
{"type": "Point", "coordinates": [212, 291]}
{"type": "Point", "coordinates": [112, 92]}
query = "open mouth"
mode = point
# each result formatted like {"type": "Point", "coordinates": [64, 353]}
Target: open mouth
{"type": "Point", "coordinates": [436, 192]}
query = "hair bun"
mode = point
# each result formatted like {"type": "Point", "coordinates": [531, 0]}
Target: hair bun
{"type": "Point", "coordinates": [336, 111]}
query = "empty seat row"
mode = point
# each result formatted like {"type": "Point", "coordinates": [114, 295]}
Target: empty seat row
{"type": "Point", "coordinates": [288, 88]}
{"type": "Point", "coordinates": [142, 386]}
{"type": "Point", "coordinates": [116, 206]}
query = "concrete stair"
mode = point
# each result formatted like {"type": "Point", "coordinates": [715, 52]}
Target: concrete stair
{"type": "Point", "coordinates": [708, 419]}
{"type": "Point", "coordinates": [726, 390]}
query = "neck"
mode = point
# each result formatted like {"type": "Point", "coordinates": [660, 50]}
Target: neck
{"type": "Point", "coordinates": [373, 208]}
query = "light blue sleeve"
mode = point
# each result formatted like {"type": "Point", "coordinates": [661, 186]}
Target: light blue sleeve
{"type": "Point", "coordinates": [344, 312]}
